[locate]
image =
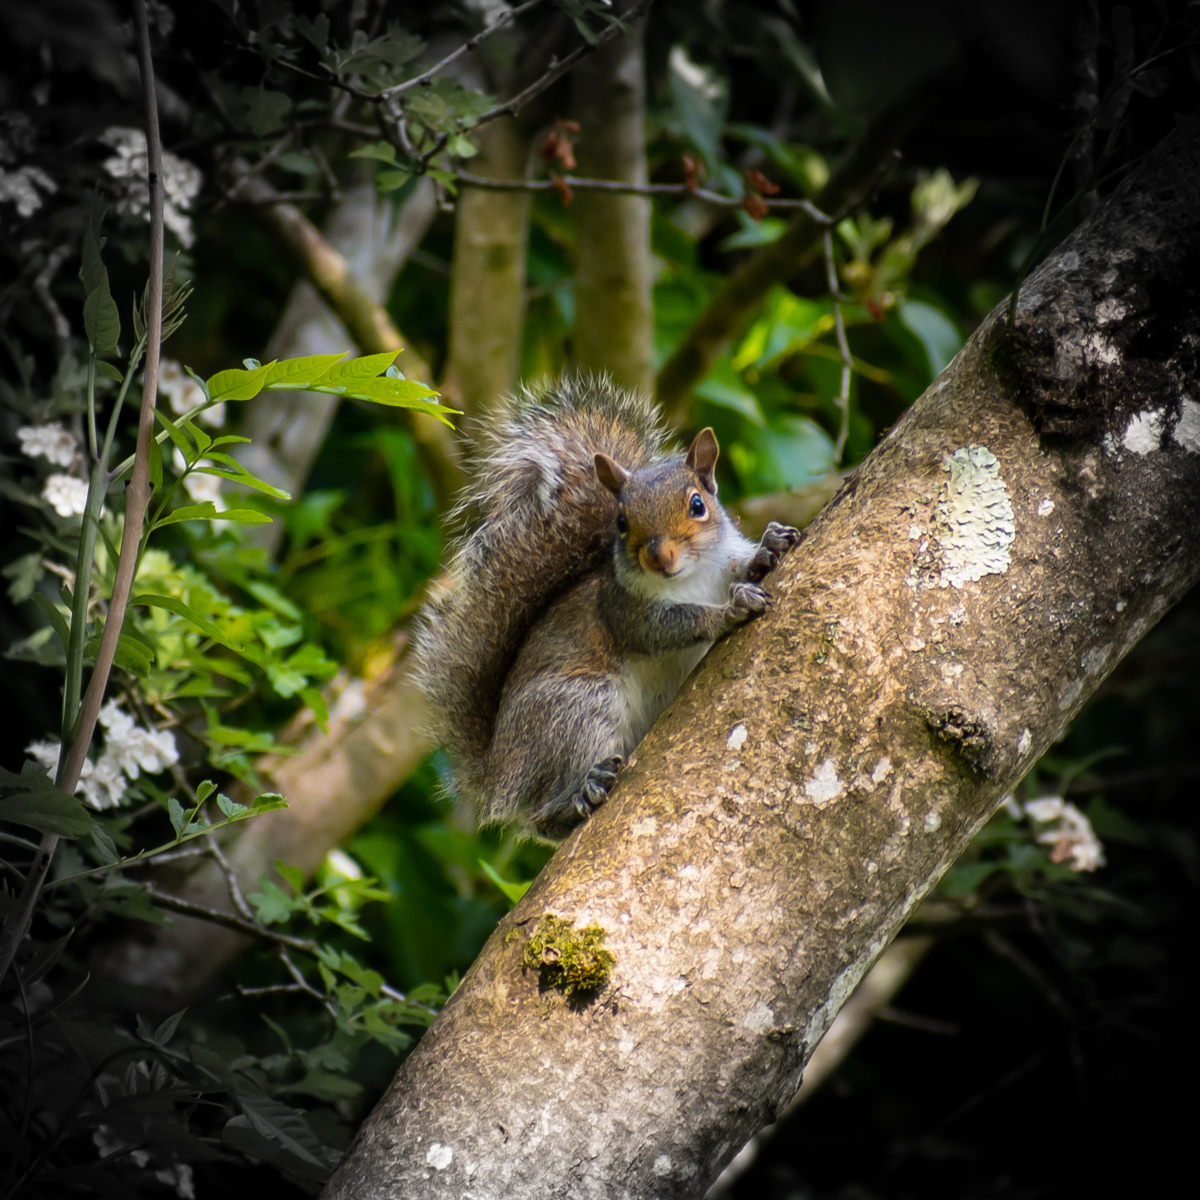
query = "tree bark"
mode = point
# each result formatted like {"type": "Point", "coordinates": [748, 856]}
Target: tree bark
{"type": "Point", "coordinates": [487, 294]}
{"type": "Point", "coordinates": [1017, 532]}
{"type": "Point", "coordinates": [614, 315]}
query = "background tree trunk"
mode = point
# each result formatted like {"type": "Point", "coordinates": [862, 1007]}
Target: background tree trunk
{"type": "Point", "coordinates": [1017, 532]}
{"type": "Point", "coordinates": [287, 428]}
{"type": "Point", "coordinates": [614, 317]}
{"type": "Point", "coordinates": [487, 297]}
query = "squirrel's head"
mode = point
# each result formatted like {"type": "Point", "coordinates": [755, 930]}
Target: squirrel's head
{"type": "Point", "coordinates": [667, 512]}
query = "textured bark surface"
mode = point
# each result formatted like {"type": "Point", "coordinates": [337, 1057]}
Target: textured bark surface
{"type": "Point", "coordinates": [1017, 532]}
{"type": "Point", "coordinates": [614, 321]}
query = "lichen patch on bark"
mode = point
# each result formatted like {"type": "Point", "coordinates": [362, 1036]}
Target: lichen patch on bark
{"type": "Point", "coordinates": [972, 525]}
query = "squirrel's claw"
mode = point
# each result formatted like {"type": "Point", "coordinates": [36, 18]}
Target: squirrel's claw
{"type": "Point", "coordinates": [599, 782]}
{"type": "Point", "coordinates": [776, 541]}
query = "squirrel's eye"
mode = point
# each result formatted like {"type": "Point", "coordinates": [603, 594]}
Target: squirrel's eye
{"type": "Point", "coordinates": [622, 524]}
{"type": "Point", "coordinates": [696, 506]}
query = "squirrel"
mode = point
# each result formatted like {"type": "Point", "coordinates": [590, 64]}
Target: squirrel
{"type": "Point", "coordinates": [596, 570]}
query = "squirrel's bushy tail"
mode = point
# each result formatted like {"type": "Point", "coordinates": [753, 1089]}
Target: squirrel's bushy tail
{"type": "Point", "coordinates": [533, 519]}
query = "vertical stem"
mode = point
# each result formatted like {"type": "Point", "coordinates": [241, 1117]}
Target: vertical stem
{"type": "Point", "coordinates": [137, 499]}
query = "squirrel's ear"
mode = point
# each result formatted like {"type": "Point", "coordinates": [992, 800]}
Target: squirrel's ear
{"type": "Point", "coordinates": [611, 474]}
{"type": "Point", "coordinates": [702, 458]}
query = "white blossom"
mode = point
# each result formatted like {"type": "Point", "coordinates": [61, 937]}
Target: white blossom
{"type": "Point", "coordinates": [102, 783]}
{"type": "Point", "coordinates": [128, 750]}
{"type": "Point", "coordinates": [66, 495]}
{"type": "Point", "coordinates": [1073, 840]}
{"type": "Point", "coordinates": [45, 754]}
{"type": "Point", "coordinates": [135, 749]}
{"type": "Point", "coordinates": [181, 181]}
{"type": "Point", "coordinates": [184, 393]}
{"type": "Point", "coordinates": [17, 187]}
{"type": "Point", "coordinates": [50, 441]}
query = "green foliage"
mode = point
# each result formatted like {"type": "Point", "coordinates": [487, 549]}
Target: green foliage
{"type": "Point", "coordinates": [186, 646]}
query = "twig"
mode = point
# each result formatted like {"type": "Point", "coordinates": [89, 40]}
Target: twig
{"type": "Point", "coordinates": [424, 80]}
{"type": "Point", "coordinates": [298, 975]}
{"type": "Point", "coordinates": [576, 183]}
{"type": "Point", "coordinates": [558, 68]}
{"type": "Point", "coordinates": [251, 929]}
{"type": "Point", "coordinates": [842, 399]}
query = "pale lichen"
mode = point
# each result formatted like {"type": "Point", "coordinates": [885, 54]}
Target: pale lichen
{"type": "Point", "coordinates": [972, 525]}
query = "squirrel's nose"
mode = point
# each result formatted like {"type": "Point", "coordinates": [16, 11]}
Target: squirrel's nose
{"type": "Point", "coordinates": [660, 555]}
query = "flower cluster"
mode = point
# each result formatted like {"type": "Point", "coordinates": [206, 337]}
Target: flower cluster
{"type": "Point", "coordinates": [66, 494]}
{"type": "Point", "coordinates": [128, 750]}
{"type": "Point", "coordinates": [181, 181]}
{"type": "Point", "coordinates": [18, 187]}
{"type": "Point", "coordinates": [1072, 840]}
{"type": "Point", "coordinates": [49, 441]}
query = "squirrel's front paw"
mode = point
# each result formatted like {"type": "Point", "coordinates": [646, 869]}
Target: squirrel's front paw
{"type": "Point", "coordinates": [747, 600]}
{"type": "Point", "coordinates": [776, 541]}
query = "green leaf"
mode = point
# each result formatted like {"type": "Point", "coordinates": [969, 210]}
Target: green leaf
{"type": "Point", "coordinates": [301, 372]}
{"type": "Point", "coordinates": [389, 181]}
{"type": "Point", "coordinates": [236, 384]}
{"type": "Point", "coordinates": [25, 574]}
{"type": "Point", "coordinates": [182, 442]}
{"type": "Point", "coordinates": [171, 604]}
{"type": "Point", "coordinates": [273, 905]}
{"type": "Point", "coordinates": [51, 612]}
{"type": "Point", "coordinates": [383, 152]}
{"type": "Point", "coordinates": [47, 809]}
{"type": "Point", "coordinates": [208, 511]}
{"type": "Point", "coordinates": [109, 371]}
{"type": "Point", "coordinates": [514, 891]}
{"type": "Point", "coordinates": [937, 334]}
{"type": "Point", "coordinates": [792, 451]}
{"type": "Point", "coordinates": [104, 848]}
{"type": "Point", "coordinates": [272, 1130]}
{"type": "Point", "coordinates": [366, 366]}
{"type": "Point", "coordinates": [233, 470]}
{"type": "Point", "coordinates": [101, 320]}
{"type": "Point", "coordinates": [315, 31]}
{"type": "Point", "coordinates": [177, 815]}
{"type": "Point", "coordinates": [231, 808]}
{"type": "Point", "coordinates": [265, 109]}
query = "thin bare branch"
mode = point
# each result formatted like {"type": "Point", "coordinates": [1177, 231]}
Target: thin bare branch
{"type": "Point", "coordinates": [557, 67]}
{"type": "Point", "coordinates": [424, 80]}
{"type": "Point", "coordinates": [634, 189]}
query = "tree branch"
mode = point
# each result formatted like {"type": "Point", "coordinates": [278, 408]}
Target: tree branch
{"type": "Point", "coordinates": [1013, 537]}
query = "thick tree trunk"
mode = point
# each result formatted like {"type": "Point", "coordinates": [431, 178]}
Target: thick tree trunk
{"type": "Point", "coordinates": [1017, 532]}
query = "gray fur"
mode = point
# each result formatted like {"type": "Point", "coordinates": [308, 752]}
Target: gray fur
{"type": "Point", "coordinates": [547, 651]}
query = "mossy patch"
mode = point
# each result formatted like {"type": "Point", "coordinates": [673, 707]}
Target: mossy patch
{"type": "Point", "coordinates": [568, 960]}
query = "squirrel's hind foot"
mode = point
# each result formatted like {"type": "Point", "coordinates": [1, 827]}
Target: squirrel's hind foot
{"type": "Point", "coordinates": [557, 822]}
{"type": "Point", "coordinates": [599, 782]}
